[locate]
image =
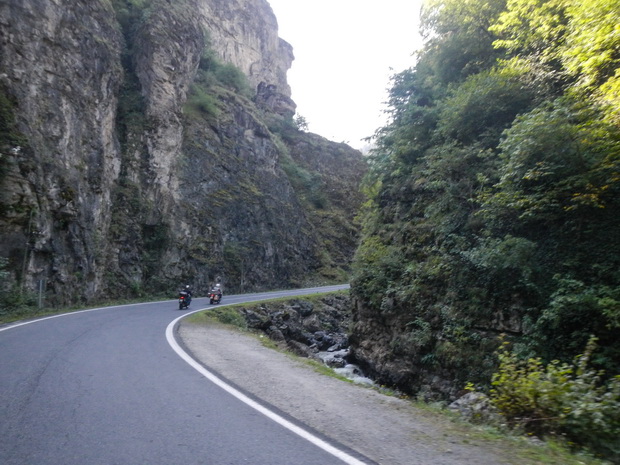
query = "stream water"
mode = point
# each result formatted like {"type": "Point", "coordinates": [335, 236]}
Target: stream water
{"type": "Point", "coordinates": [337, 361]}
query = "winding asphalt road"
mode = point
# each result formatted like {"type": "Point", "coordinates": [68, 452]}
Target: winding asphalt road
{"type": "Point", "coordinates": [112, 386]}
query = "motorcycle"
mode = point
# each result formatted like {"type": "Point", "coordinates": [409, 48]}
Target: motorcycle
{"type": "Point", "coordinates": [215, 298]}
{"type": "Point", "coordinates": [184, 300]}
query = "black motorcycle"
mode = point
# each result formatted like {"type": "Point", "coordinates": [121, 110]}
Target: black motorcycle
{"type": "Point", "coordinates": [184, 300]}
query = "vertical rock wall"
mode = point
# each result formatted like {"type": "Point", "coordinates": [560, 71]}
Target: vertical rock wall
{"type": "Point", "coordinates": [109, 187]}
{"type": "Point", "coordinates": [245, 33]}
{"type": "Point", "coordinates": [59, 66]}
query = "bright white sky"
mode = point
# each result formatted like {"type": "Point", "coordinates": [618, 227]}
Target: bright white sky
{"type": "Point", "coordinates": [345, 52]}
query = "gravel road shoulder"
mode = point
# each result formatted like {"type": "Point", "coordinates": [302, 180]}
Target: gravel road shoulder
{"type": "Point", "coordinates": [383, 428]}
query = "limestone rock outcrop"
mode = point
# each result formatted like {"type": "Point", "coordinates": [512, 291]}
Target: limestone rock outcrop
{"type": "Point", "coordinates": [245, 33]}
{"type": "Point", "coordinates": [120, 174]}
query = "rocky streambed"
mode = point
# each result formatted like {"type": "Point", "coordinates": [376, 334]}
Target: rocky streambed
{"type": "Point", "coordinates": [314, 328]}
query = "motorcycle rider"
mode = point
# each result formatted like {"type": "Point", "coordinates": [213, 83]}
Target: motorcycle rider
{"type": "Point", "coordinates": [188, 291]}
{"type": "Point", "coordinates": [217, 290]}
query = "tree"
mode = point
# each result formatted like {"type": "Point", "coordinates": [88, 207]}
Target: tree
{"type": "Point", "coordinates": [557, 160]}
{"type": "Point", "coordinates": [532, 28]}
{"type": "Point", "coordinates": [504, 87]}
{"type": "Point", "coordinates": [458, 39]}
{"type": "Point", "coordinates": [592, 50]}
{"type": "Point", "coordinates": [300, 122]}
{"type": "Point", "coordinates": [580, 40]}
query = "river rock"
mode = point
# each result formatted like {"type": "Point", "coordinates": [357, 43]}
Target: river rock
{"type": "Point", "coordinates": [475, 407]}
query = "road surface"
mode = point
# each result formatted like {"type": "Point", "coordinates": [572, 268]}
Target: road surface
{"type": "Point", "coordinates": [112, 386]}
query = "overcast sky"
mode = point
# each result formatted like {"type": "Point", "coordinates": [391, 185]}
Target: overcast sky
{"type": "Point", "coordinates": [345, 52]}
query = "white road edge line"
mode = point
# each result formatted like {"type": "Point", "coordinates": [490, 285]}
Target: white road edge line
{"type": "Point", "coordinates": [37, 320]}
{"type": "Point", "coordinates": [346, 458]}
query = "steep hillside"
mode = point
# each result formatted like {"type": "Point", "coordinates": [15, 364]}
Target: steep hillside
{"type": "Point", "coordinates": [146, 144]}
{"type": "Point", "coordinates": [494, 198]}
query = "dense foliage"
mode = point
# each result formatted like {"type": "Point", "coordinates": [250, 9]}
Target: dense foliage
{"type": "Point", "coordinates": [494, 201]}
{"type": "Point", "coordinates": [565, 399]}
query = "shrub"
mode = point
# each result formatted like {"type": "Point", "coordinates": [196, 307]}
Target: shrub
{"type": "Point", "coordinates": [231, 76]}
{"type": "Point", "coordinates": [560, 399]}
{"type": "Point", "coordinates": [200, 102]}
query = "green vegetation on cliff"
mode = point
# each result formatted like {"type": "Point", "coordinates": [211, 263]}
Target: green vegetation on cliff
{"type": "Point", "coordinates": [494, 196]}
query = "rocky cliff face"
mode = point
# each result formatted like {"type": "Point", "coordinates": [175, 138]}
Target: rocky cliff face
{"type": "Point", "coordinates": [245, 33]}
{"type": "Point", "coordinates": [60, 72]}
{"type": "Point", "coordinates": [125, 167]}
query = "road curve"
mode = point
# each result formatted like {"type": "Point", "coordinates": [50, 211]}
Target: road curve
{"type": "Point", "coordinates": [106, 386]}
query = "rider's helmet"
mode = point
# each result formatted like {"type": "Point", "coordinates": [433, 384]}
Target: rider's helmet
{"type": "Point", "coordinates": [217, 285]}
{"type": "Point", "coordinates": [187, 286]}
